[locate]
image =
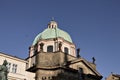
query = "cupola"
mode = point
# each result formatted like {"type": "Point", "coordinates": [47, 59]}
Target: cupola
{"type": "Point", "coordinates": [52, 24]}
{"type": "Point", "coordinates": [52, 38]}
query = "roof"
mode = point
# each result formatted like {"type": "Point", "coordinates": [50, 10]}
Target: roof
{"type": "Point", "coordinates": [116, 75]}
{"type": "Point", "coordinates": [52, 32]}
{"type": "Point", "coordinates": [77, 60]}
{"type": "Point", "coordinates": [15, 57]}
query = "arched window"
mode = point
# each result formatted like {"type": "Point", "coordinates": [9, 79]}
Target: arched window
{"type": "Point", "coordinates": [50, 48]}
{"type": "Point", "coordinates": [66, 50]}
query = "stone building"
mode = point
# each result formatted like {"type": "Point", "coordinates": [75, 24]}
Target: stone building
{"type": "Point", "coordinates": [113, 77]}
{"type": "Point", "coordinates": [53, 56]}
{"type": "Point", "coordinates": [16, 67]}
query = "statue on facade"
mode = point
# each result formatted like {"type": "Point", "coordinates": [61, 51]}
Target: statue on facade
{"type": "Point", "coordinates": [78, 53]}
{"type": "Point", "coordinates": [41, 46]}
{"type": "Point", "coordinates": [93, 58]}
{"type": "Point", "coordinates": [3, 71]}
{"type": "Point", "coordinates": [60, 46]}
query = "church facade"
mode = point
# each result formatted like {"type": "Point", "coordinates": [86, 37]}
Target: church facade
{"type": "Point", "coordinates": [53, 56]}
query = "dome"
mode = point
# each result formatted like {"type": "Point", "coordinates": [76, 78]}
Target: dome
{"type": "Point", "coordinates": [52, 32]}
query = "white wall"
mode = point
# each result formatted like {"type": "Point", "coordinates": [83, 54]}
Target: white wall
{"type": "Point", "coordinates": [20, 74]}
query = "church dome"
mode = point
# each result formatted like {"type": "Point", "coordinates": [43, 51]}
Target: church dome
{"type": "Point", "coordinates": [52, 32]}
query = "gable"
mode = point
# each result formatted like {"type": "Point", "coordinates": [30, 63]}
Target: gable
{"type": "Point", "coordinates": [85, 65]}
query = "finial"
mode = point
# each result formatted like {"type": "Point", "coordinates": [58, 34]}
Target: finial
{"type": "Point", "coordinates": [52, 18]}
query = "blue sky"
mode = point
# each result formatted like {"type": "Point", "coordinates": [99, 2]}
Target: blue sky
{"type": "Point", "coordinates": [94, 26]}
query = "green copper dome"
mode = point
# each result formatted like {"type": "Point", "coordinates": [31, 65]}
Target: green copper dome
{"type": "Point", "coordinates": [52, 32]}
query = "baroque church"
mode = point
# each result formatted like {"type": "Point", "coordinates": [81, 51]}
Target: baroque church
{"type": "Point", "coordinates": [52, 56]}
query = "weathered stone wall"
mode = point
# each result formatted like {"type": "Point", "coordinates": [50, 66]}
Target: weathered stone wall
{"type": "Point", "coordinates": [59, 74]}
{"type": "Point", "coordinates": [47, 60]}
{"type": "Point", "coordinates": [59, 66]}
{"type": "Point", "coordinates": [49, 67]}
{"type": "Point", "coordinates": [52, 59]}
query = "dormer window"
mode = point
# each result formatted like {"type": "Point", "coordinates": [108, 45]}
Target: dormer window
{"type": "Point", "coordinates": [50, 48]}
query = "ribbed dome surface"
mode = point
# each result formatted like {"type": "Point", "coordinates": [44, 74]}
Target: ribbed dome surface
{"type": "Point", "coordinates": [50, 33]}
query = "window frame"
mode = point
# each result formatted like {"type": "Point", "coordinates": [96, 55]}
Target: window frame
{"type": "Point", "coordinates": [66, 50]}
{"type": "Point", "coordinates": [14, 68]}
{"type": "Point", "coordinates": [50, 48]}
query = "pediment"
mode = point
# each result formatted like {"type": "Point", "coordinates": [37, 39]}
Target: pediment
{"type": "Point", "coordinates": [88, 67]}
